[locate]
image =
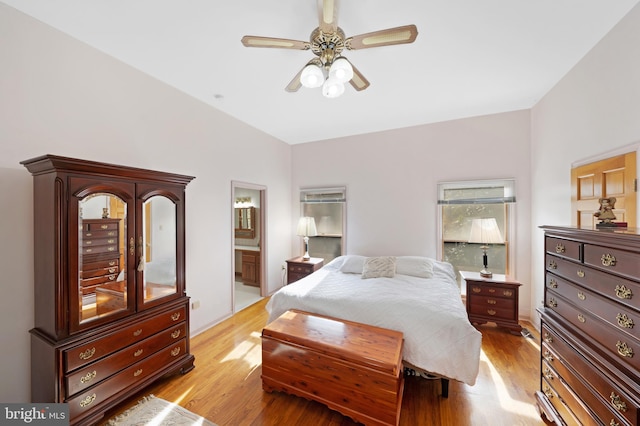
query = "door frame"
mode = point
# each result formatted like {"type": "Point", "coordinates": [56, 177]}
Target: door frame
{"type": "Point", "coordinates": [262, 236]}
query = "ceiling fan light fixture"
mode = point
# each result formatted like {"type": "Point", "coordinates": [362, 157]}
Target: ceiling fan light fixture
{"type": "Point", "coordinates": [341, 70]}
{"type": "Point", "coordinates": [312, 76]}
{"type": "Point", "coordinates": [332, 88]}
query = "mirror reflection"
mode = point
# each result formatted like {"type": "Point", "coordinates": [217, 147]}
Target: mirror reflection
{"type": "Point", "coordinates": [245, 222]}
{"type": "Point", "coordinates": [102, 262]}
{"type": "Point", "coordinates": [159, 243]}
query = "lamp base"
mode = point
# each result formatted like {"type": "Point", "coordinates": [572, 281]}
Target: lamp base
{"type": "Point", "coordinates": [486, 273]}
{"type": "Point", "coordinates": [306, 256]}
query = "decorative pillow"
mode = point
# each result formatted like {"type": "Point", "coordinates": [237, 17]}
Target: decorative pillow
{"type": "Point", "coordinates": [352, 264]}
{"type": "Point", "coordinates": [416, 266]}
{"type": "Point", "coordinates": [375, 267]}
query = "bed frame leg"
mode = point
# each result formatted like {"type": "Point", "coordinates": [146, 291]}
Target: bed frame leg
{"type": "Point", "coordinates": [445, 387]}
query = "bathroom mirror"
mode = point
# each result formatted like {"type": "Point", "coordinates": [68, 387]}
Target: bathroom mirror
{"type": "Point", "coordinates": [245, 222]}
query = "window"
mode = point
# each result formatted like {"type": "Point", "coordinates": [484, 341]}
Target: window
{"type": "Point", "coordinates": [465, 210]}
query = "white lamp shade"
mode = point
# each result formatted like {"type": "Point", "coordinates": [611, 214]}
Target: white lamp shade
{"type": "Point", "coordinates": [312, 76]}
{"type": "Point", "coordinates": [307, 227]}
{"type": "Point", "coordinates": [341, 70]}
{"type": "Point", "coordinates": [485, 231]}
{"type": "Point", "coordinates": [332, 88]}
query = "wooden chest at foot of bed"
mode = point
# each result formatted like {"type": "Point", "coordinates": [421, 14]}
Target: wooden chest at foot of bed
{"type": "Point", "coordinates": [353, 368]}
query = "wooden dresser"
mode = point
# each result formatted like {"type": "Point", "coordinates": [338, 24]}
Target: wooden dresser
{"type": "Point", "coordinates": [298, 267]}
{"type": "Point", "coordinates": [590, 336]}
{"type": "Point", "coordinates": [111, 311]}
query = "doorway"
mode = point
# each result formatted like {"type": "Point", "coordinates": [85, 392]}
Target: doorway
{"type": "Point", "coordinates": [248, 248]}
{"type": "Point", "coordinates": [611, 177]}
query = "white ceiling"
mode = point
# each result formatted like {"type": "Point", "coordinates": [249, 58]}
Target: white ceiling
{"type": "Point", "coordinates": [471, 57]}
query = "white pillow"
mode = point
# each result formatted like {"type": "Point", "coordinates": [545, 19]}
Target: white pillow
{"type": "Point", "coordinates": [353, 264]}
{"type": "Point", "coordinates": [416, 266]}
{"type": "Point", "coordinates": [375, 267]}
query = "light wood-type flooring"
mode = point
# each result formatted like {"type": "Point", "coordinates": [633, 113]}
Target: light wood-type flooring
{"type": "Point", "coordinates": [226, 388]}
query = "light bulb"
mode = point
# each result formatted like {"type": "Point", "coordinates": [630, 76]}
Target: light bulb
{"type": "Point", "coordinates": [341, 70]}
{"type": "Point", "coordinates": [312, 76]}
{"type": "Point", "coordinates": [332, 88]}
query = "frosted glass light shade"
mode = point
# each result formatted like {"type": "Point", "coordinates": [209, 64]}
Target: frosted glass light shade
{"type": "Point", "coordinates": [341, 70]}
{"type": "Point", "coordinates": [332, 88]}
{"type": "Point", "coordinates": [312, 76]}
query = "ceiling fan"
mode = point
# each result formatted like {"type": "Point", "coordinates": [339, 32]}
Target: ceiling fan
{"type": "Point", "coordinates": [329, 68]}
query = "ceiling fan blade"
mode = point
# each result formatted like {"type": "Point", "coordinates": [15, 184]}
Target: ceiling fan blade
{"type": "Point", "coordinates": [358, 81]}
{"type": "Point", "coordinates": [295, 83]}
{"type": "Point", "coordinates": [281, 43]}
{"type": "Point", "coordinates": [328, 15]}
{"type": "Point", "coordinates": [398, 35]}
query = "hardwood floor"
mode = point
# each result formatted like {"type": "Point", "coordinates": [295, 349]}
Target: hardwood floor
{"type": "Point", "coordinates": [225, 387]}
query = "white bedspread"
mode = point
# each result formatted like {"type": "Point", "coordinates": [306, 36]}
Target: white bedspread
{"type": "Point", "coordinates": [438, 336]}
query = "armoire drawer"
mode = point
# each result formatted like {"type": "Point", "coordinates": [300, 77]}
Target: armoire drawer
{"type": "Point", "coordinates": [621, 347]}
{"type": "Point", "coordinates": [563, 248]}
{"type": "Point", "coordinates": [605, 398]}
{"type": "Point", "coordinates": [109, 365]}
{"type": "Point", "coordinates": [134, 373]}
{"type": "Point", "coordinates": [84, 354]}
{"type": "Point", "coordinates": [614, 261]}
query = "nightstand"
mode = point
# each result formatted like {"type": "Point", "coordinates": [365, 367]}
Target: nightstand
{"type": "Point", "coordinates": [492, 299]}
{"type": "Point", "coordinates": [299, 268]}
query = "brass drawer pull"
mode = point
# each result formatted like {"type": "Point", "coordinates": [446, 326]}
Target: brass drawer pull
{"type": "Point", "coordinates": [548, 374]}
{"type": "Point", "coordinates": [104, 226]}
{"type": "Point", "coordinates": [548, 338]}
{"type": "Point", "coordinates": [581, 296]}
{"type": "Point", "coordinates": [580, 273]}
{"type": "Point", "coordinates": [175, 351]}
{"type": "Point", "coordinates": [175, 334]}
{"type": "Point", "coordinates": [622, 292]}
{"type": "Point", "coordinates": [111, 234]}
{"type": "Point", "coordinates": [548, 392]}
{"type": "Point", "coordinates": [175, 316]}
{"type": "Point", "coordinates": [112, 263]}
{"type": "Point", "coordinates": [87, 354]}
{"type": "Point", "coordinates": [547, 356]}
{"type": "Point", "coordinates": [553, 303]}
{"type": "Point", "coordinates": [617, 402]}
{"type": "Point", "coordinates": [88, 400]}
{"type": "Point", "coordinates": [624, 321]}
{"type": "Point", "coordinates": [581, 318]}
{"type": "Point", "coordinates": [553, 264]}
{"type": "Point", "coordinates": [476, 289]}
{"type": "Point", "coordinates": [491, 302]}
{"type": "Point", "coordinates": [111, 248]}
{"type": "Point", "coordinates": [614, 423]}
{"type": "Point", "coordinates": [111, 241]}
{"type": "Point", "coordinates": [89, 242]}
{"type": "Point", "coordinates": [608, 260]}
{"type": "Point", "coordinates": [89, 377]}
{"type": "Point", "coordinates": [137, 373]}
{"type": "Point", "coordinates": [111, 270]}
{"type": "Point", "coordinates": [137, 332]}
{"type": "Point", "coordinates": [507, 293]}
{"type": "Point", "coordinates": [553, 283]}
{"type": "Point", "coordinates": [492, 290]}
{"type": "Point", "coordinates": [560, 248]}
{"type": "Point", "coordinates": [624, 349]}
{"type": "Point", "coordinates": [138, 352]}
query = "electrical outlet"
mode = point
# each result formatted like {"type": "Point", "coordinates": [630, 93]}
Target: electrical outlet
{"type": "Point", "coordinates": [284, 266]}
{"type": "Point", "coordinates": [195, 304]}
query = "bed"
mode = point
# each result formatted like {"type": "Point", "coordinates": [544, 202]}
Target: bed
{"type": "Point", "coordinates": [416, 295]}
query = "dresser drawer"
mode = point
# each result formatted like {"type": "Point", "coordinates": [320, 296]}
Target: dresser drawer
{"type": "Point", "coordinates": [99, 233]}
{"type": "Point", "coordinates": [100, 249]}
{"type": "Point", "coordinates": [137, 372]}
{"type": "Point", "coordinates": [101, 264]}
{"type": "Point", "coordinates": [615, 314]}
{"type": "Point", "coordinates": [92, 273]}
{"type": "Point", "coordinates": [99, 226]}
{"type": "Point", "coordinates": [491, 290]}
{"type": "Point", "coordinates": [84, 354]}
{"type": "Point", "coordinates": [605, 398]}
{"type": "Point", "coordinates": [109, 365]}
{"type": "Point", "coordinates": [614, 261]}
{"type": "Point", "coordinates": [620, 346]}
{"type": "Point", "coordinates": [558, 403]}
{"type": "Point", "coordinates": [89, 282]}
{"type": "Point", "coordinates": [564, 248]}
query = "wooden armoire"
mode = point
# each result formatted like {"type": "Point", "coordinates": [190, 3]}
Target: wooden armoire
{"type": "Point", "coordinates": [111, 309]}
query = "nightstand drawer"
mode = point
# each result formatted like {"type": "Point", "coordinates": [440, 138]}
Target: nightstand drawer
{"type": "Point", "coordinates": [298, 268]}
{"type": "Point", "coordinates": [489, 290]}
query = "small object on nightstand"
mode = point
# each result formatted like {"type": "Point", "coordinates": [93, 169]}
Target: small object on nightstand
{"type": "Point", "coordinates": [492, 299]}
{"type": "Point", "coordinates": [298, 267]}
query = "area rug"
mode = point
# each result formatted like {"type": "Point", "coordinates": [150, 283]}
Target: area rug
{"type": "Point", "coordinates": [152, 411]}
